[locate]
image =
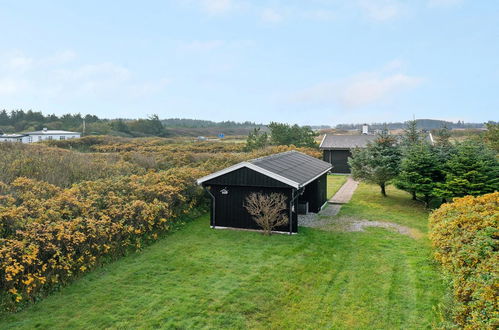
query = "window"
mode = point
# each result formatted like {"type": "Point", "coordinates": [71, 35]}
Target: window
{"type": "Point", "coordinates": [30, 139]}
{"type": "Point", "coordinates": [62, 137]}
{"type": "Point", "coordinates": [51, 137]}
{"type": "Point", "coordinates": [39, 137]}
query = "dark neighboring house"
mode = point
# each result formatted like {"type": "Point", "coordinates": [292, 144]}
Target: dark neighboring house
{"type": "Point", "coordinates": [301, 178]}
{"type": "Point", "coordinates": [337, 148]}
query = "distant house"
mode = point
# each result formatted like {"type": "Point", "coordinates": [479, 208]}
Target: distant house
{"type": "Point", "coordinates": [301, 178]}
{"type": "Point", "coordinates": [337, 148]}
{"type": "Point", "coordinates": [11, 137]}
{"type": "Point", "coordinates": [37, 136]}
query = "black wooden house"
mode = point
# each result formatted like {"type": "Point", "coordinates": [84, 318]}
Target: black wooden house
{"type": "Point", "coordinates": [338, 148]}
{"type": "Point", "coordinates": [301, 178]}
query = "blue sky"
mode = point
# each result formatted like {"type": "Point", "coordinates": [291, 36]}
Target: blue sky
{"type": "Point", "coordinates": [307, 62]}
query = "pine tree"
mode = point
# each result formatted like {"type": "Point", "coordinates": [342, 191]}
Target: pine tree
{"type": "Point", "coordinates": [491, 136]}
{"type": "Point", "coordinates": [256, 140]}
{"type": "Point", "coordinates": [442, 136]}
{"type": "Point", "coordinates": [411, 134]}
{"type": "Point", "coordinates": [473, 169]}
{"type": "Point", "coordinates": [420, 172]}
{"type": "Point", "coordinates": [378, 163]}
{"type": "Point", "coordinates": [284, 134]}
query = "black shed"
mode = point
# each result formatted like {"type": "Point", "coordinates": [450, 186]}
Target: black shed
{"type": "Point", "coordinates": [337, 148]}
{"type": "Point", "coordinates": [301, 178]}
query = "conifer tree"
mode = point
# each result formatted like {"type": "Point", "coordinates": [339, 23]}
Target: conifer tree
{"type": "Point", "coordinates": [411, 134]}
{"type": "Point", "coordinates": [378, 163]}
{"type": "Point", "coordinates": [256, 140]}
{"type": "Point", "coordinates": [420, 172]}
{"type": "Point", "coordinates": [473, 169]}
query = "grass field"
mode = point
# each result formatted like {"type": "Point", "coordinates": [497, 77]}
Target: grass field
{"type": "Point", "coordinates": [198, 277]}
{"type": "Point", "coordinates": [334, 182]}
{"type": "Point", "coordinates": [368, 203]}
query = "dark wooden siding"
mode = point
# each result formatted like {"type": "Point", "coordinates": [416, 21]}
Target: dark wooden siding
{"type": "Point", "coordinates": [246, 177]}
{"type": "Point", "coordinates": [338, 159]}
{"type": "Point", "coordinates": [315, 193]}
{"type": "Point", "coordinates": [322, 190]}
{"type": "Point", "coordinates": [230, 211]}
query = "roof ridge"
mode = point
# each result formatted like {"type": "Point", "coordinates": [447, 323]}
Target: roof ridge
{"type": "Point", "coordinates": [271, 156]}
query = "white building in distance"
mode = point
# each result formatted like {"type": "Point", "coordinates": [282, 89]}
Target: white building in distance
{"type": "Point", "coordinates": [11, 137]}
{"type": "Point", "coordinates": [38, 136]}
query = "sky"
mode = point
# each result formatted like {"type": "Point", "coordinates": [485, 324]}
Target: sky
{"type": "Point", "coordinates": [311, 62]}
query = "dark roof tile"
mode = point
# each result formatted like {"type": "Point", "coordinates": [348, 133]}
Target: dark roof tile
{"type": "Point", "coordinates": [331, 141]}
{"type": "Point", "coordinates": [293, 165]}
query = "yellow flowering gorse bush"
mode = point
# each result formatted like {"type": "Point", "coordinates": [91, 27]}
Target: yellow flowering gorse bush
{"type": "Point", "coordinates": [64, 232]}
{"type": "Point", "coordinates": [465, 235]}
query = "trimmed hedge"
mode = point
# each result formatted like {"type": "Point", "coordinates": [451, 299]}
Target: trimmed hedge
{"type": "Point", "coordinates": [465, 235]}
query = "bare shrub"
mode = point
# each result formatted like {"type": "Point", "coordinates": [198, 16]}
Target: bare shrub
{"type": "Point", "coordinates": [267, 210]}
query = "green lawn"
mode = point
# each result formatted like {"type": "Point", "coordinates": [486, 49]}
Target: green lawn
{"type": "Point", "coordinates": [198, 277]}
{"type": "Point", "coordinates": [368, 203]}
{"type": "Point", "coordinates": [334, 182]}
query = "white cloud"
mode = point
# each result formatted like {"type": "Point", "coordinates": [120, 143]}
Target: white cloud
{"type": "Point", "coordinates": [57, 76]}
{"type": "Point", "coordinates": [380, 10]}
{"type": "Point", "coordinates": [149, 87]}
{"type": "Point", "coordinates": [16, 62]}
{"type": "Point", "coordinates": [360, 90]}
{"type": "Point", "coordinates": [92, 78]}
{"type": "Point", "coordinates": [393, 65]}
{"type": "Point", "coordinates": [9, 86]}
{"type": "Point", "coordinates": [371, 88]}
{"type": "Point", "coordinates": [101, 71]}
{"type": "Point", "coordinates": [444, 3]}
{"type": "Point", "coordinates": [271, 15]}
{"type": "Point", "coordinates": [61, 57]}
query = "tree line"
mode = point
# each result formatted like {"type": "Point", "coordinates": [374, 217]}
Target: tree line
{"type": "Point", "coordinates": [16, 121]}
{"type": "Point", "coordinates": [431, 173]}
{"type": "Point", "coordinates": [428, 124]}
{"type": "Point", "coordinates": [281, 134]}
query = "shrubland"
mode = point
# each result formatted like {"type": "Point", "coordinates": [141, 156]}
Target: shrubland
{"type": "Point", "coordinates": [58, 166]}
{"type": "Point", "coordinates": [62, 212]}
{"type": "Point", "coordinates": [465, 236]}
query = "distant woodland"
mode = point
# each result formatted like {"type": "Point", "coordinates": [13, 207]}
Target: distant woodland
{"type": "Point", "coordinates": [21, 121]}
{"type": "Point", "coordinates": [16, 121]}
{"type": "Point", "coordinates": [427, 124]}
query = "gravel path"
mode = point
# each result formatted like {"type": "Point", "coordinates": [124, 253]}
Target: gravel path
{"type": "Point", "coordinates": [342, 196]}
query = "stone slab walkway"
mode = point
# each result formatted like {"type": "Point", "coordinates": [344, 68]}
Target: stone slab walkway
{"type": "Point", "coordinates": [344, 194]}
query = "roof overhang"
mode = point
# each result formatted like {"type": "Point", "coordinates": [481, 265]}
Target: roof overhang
{"type": "Point", "coordinates": [252, 167]}
{"type": "Point", "coordinates": [322, 141]}
{"type": "Point", "coordinates": [315, 177]}
{"type": "Point", "coordinates": [258, 169]}
{"type": "Point", "coordinates": [341, 148]}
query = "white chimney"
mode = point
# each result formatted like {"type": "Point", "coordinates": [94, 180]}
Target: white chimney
{"type": "Point", "coordinates": [45, 129]}
{"type": "Point", "coordinates": [365, 129]}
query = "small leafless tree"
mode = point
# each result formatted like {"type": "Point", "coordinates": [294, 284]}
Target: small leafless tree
{"type": "Point", "coordinates": [267, 210]}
